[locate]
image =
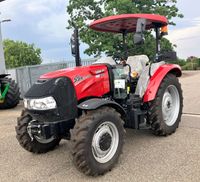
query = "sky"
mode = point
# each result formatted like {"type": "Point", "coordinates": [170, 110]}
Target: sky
{"type": "Point", "coordinates": [43, 22]}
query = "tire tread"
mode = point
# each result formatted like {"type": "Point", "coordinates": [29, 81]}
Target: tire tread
{"type": "Point", "coordinates": [153, 111]}
{"type": "Point", "coordinates": [78, 140]}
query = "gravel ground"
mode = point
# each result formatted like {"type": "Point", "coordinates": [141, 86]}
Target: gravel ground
{"type": "Point", "coordinates": [145, 157]}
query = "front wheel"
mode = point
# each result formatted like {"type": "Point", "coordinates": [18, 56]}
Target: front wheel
{"type": "Point", "coordinates": [97, 141]}
{"type": "Point", "coordinates": [166, 110]}
{"type": "Point", "coordinates": [34, 144]}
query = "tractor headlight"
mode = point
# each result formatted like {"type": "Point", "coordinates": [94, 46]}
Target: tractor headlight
{"type": "Point", "coordinates": [41, 104]}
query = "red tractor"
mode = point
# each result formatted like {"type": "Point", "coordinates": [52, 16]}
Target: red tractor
{"type": "Point", "coordinates": [92, 105]}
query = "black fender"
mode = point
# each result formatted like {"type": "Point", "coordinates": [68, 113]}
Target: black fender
{"type": "Point", "coordinates": [96, 103]}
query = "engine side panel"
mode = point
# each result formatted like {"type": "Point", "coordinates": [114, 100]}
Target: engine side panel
{"type": "Point", "coordinates": [157, 78]}
{"type": "Point", "coordinates": [89, 81]}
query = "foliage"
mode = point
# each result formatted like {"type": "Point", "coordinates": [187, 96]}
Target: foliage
{"type": "Point", "coordinates": [81, 12]}
{"type": "Point", "coordinates": [18, 53]}
{"type": "Point", "coordinates": [192, 63]}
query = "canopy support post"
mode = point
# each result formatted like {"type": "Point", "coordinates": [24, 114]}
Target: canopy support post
{"type": "Point", "coordinates": [125, 48]}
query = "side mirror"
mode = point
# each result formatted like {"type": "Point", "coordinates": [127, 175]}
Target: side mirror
{"type": "Point", "coordinates": [73, 44]}
{"type": "Point", "coordinates": [141, 25]}
{"type": "Point", "coordinates": [139, 35]}
{"type": "Point", "coordinates": [139, 39]}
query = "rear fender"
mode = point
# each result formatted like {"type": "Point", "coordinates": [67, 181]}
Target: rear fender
{"type": "Point", "coordinates": [96, 103]}
{"type": "Point", "coordinates": [157, 78]}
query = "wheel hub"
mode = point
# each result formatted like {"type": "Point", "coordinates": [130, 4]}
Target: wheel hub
{"type": "Point", "coordinates": [170, 105]}
{"type": "Point", "coordinates": [105, 142]}
{"type": "Point", "coordinates": [167, 102]}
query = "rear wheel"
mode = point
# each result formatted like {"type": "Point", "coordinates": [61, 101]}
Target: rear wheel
{"type": "Point", "coordinates": [34, 144]}
{"type": "Point", "coordinates": [166, 110]}
{"type": "Point", "coordinates": [97, 141]}
{"type": "Point", "coordinates": [13, 95]}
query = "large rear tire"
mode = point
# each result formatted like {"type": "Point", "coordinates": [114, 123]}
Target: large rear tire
{"type": "Point", "coordinates": [97, 141]}
{"type": "Point", "coordinates": [36, 144]}
{"type": "Point", "coordinates": [166, 110]}
{"type": "Point", "coordinates": [13, 95]}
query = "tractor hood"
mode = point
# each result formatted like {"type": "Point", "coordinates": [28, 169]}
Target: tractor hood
{"type": "Point", "coordinates": [86, 79]}
{"type": "Point", "coordinates": [76, 74]}
{"type": "Point", "coordinates": [69, 72]}
{"type": "Point", "coordinates": [68, 87]}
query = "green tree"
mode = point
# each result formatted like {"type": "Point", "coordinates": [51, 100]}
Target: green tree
{"type": "Point", "coordinates": [18, 53]}
{"type": "Point", "coordinates": [82, 12]}
{"type": "Point", "coordinates": [192, 63]}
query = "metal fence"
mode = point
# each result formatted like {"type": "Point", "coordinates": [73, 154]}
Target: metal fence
{"type": "Point", "coordinates": [28, 75]}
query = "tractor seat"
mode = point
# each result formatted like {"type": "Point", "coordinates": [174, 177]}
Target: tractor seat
{"type": "Point", "coordinates": [137, 63]}
{"type": "Point", "coordinates": [105, 60]}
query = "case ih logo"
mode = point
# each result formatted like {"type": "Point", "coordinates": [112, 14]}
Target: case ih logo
{"type": "Point", "coordinates": [79, 79]}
